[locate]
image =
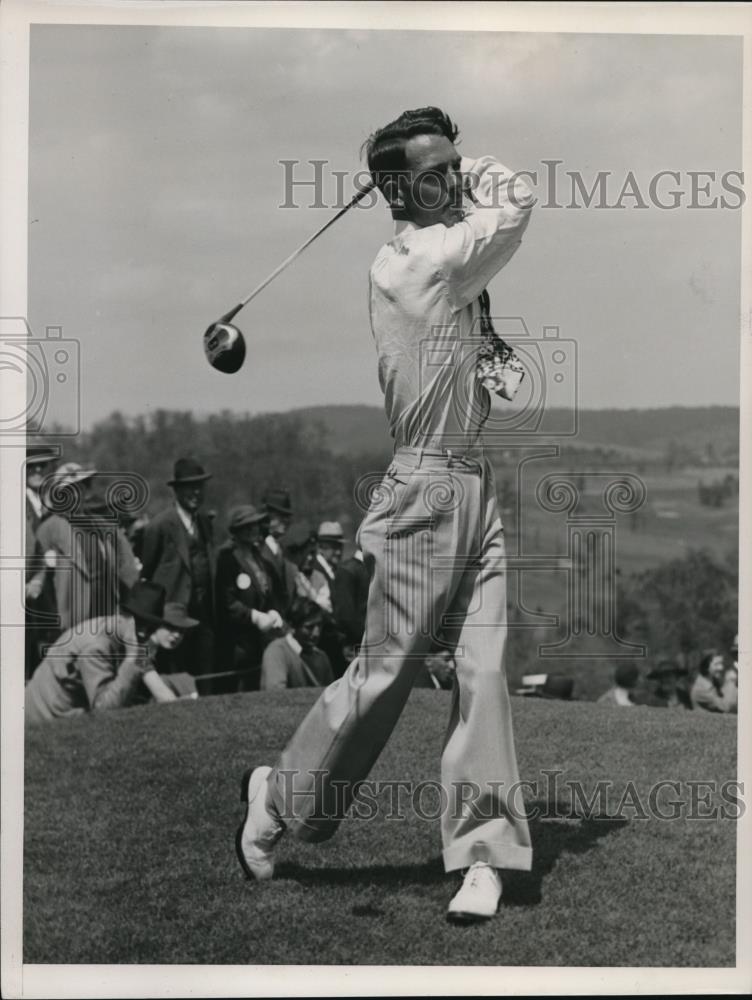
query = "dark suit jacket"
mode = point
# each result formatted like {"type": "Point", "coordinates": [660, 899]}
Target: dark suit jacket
{"type": "Point", "coordinates": [350, 598]}
{"type": "Point", "coordinates": [166, 556]}
{"type": "Point", "coordinates": [242, 586]}
{"type": "Point", "coordinates": [283, 575]}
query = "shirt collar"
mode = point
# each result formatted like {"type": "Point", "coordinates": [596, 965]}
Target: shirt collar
{"type": "Point", "coordinates": [402, 226]}
{"type": "Point", "coordinates": [358, 554]}
{"type": "Point", "coordinates": [35, 501]}
{"type": "Point", "coordinates": [293, 643]}
{"type": "Point", "coordinates": [325, 566]}
{"type": "Point", "coordinates": [186, 518]}
{"type": "Point", "coordinates": [273, 544]}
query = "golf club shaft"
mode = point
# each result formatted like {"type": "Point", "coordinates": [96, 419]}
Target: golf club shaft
{"type": "Point", "coordinates": [228, 317]}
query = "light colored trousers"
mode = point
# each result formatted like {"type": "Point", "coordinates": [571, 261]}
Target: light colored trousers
{"type": "Point", "coordinates": [434, 544]}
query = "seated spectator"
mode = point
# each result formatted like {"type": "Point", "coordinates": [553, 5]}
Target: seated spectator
{"type": "Point", "coordinates": [667, 686]}
{"type": "Point", "coordinates": [243, 600]}
{"type": "Point", "coordinates": [437, 671]}
{"type": "Point", "coordinates": [102, 665]}
{"type": "Point", "coordinates": [714, 689]}
{"type": "Point", "coordinates": [294, 660]}
{"type": "Point", "coordinates": [626, 678]}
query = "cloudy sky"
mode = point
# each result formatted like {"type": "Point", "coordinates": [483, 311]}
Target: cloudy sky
{"type": "Point", "coordinates": [155, 185]}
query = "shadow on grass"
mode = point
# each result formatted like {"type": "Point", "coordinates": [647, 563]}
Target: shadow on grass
{"type": "Point", "coordinates": [550, 839]}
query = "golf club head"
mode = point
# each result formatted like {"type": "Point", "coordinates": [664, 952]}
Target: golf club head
{"type": "Point", "coordinates": [224, 347]}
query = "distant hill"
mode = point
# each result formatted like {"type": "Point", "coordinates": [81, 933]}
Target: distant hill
{"type": "Point", "coordinates": [352, 429]}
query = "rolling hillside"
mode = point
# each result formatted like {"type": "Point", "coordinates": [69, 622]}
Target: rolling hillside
{"type": "Point", "coordinates": [353, 429]}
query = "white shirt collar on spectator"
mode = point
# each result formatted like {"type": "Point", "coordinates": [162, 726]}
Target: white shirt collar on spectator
{"type": "Point", "coordinates": [358, 554]}
{"type": "Point", "coordinates": [293, 643]}
{"type": "Point", "coordinates": [273, 544]}
{"type": "Point", "coordinates": [34, 500]}
{"type": "Point", "coordinates": [328, 571]}
{"type": "Point", "coordinates": [187, 520]}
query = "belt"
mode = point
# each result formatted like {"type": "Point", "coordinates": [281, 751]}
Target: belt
{"type": "Point", "coordinates": [441, 458]}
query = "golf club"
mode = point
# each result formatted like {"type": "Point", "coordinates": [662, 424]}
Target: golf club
{"type": "Point", "coordinates": [224, 344]}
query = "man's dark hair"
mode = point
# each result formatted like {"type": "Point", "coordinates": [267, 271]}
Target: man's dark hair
{"type": "Point", "coordinates": [385, 148]}
{"type": "Point", "coordinates": [303, 610]}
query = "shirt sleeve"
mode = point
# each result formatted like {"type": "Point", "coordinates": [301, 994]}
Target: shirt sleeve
{"type": "Point", "coordinates": [712, 701]}
{"type": "Point", "coordinates": [273, 668]}
{"type": "Point", "coordinates": [107, 685]}
{"type": "Point", "coordinates": [474, 250]}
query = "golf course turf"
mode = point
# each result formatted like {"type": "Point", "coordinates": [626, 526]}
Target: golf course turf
{"type": "Point", "coordinates": [130, 818]}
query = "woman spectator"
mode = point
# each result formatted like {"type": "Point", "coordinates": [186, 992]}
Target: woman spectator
{"type": "Point", "coordinates": [245, 616]}
{"type": "Point", "coordinates": [714, 688]}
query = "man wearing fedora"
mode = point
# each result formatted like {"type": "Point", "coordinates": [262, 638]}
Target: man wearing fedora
{"type": "Point", "coordinates": [40, 589]}
{"type": "Point", "coordinates": [278, 514]}
{"type": "Point", "coordinates": [103, 666]}
{"type": "Point", "coordinates": [178, 554]}
{"type": "Point", "coordinates": [330, 541]}
{"type": "Point", "coordinates": [245, 615]}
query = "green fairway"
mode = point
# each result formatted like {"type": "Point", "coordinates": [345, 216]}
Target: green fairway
{"type": "Point", "coordinates": [130, 818]}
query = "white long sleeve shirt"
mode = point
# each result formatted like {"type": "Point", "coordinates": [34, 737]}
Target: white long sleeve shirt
{"type": "Point", "coordinates": [424, 289]}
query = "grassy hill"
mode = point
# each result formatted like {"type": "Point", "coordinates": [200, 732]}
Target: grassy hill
{"type": "Point", "coordinates": [353, 429]}
{"type": "Point", "coordinates": [130, 817]}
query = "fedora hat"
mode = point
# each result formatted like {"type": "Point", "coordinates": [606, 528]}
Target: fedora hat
{"type": "Point", "coordinates": [175, 616]}
{"type": "Point", "coordinates": [331, 531]}
{"type": "Point", "coordinates": [243, 515]}
{"type": "Point", "coordinates": [188, 470]}
{"type": "Point", "coordinates": [556, 686]}
{"type": "Point", "coordinates": [40, 454]}
{"type": "Point", "coordinates": [145, 602]}
{"type": "Point", "coordinates": [278, 502]}
{"type": "Point", "coordinates": [71, 472]}
{"type": "Point", "coordinates": [298, 537]}
{"type": "Point", "coordinates": [666, 667]}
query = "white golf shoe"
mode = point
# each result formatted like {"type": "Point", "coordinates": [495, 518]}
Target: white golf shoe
{"type": "Point", "coordinates": [478, 898]}
{"type": "Point", "coordinates": [259, 832]}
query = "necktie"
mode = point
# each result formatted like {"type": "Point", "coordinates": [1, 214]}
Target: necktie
{"type": "Point", "coordinates": [499, 369]}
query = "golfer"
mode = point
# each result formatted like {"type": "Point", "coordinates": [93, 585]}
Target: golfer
{"type": "Point", "coordinates": [432, 538]}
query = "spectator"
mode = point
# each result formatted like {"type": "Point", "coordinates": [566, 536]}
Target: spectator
{"type": "Point", "coordinates": [626, 678]}
{"type": "Point", "coordinates": [350, 597]}
{"type": "Point", "coordinates": [91, 568]}
{"type": "Point", "coordinates": [329, 543]}
{"type": "Point", "coordinates": [112, 548]}
{"type": "Point", "coordinates": [438, 671]}
{"type": "Point", "coordinates": [278, 510]}
{"type": "Point", "coordinates": [243, 599]}
{"type": "Point", "coordinates": [40, 588]}
{"type": "Point", "coordinates": [102, 666]}
{"type": "Point", "coordinates": [300, 550]}
{"type": "Point", "coordinates": [178, 554]}
{"type": "Point", "coordinates": [714, 689]}
{"type": "Point", "coordinates": [668, 686]}
{"type": "Point", "coordinates": [295, 660]}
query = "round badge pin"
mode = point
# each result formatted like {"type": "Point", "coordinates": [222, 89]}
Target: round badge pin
{"type": "Point", "coordinates": [243, 581]}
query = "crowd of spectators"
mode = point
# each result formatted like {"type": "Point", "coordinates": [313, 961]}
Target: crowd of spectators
{"type": "Point", "coordinates": [715, 687]}
{"type": "Point", "coordinates": [119, 611]}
